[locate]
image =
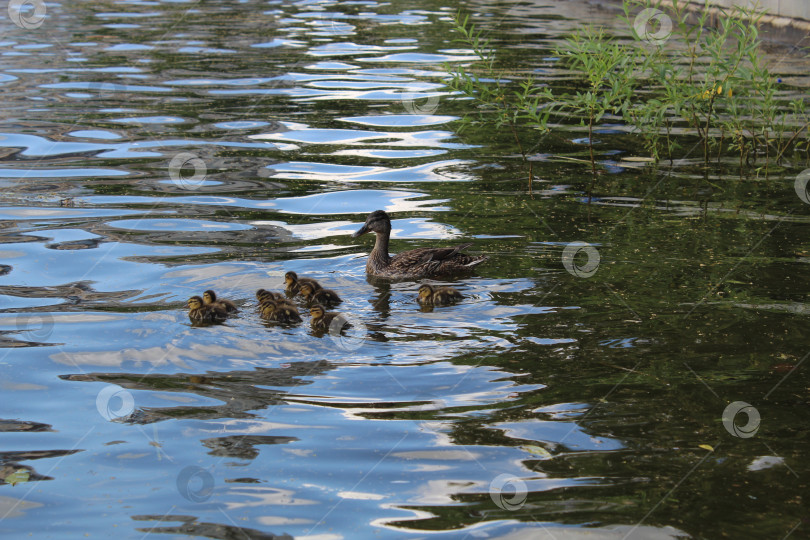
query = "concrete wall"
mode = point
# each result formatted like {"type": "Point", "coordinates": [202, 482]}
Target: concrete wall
{"type": "Point", "coordinates": [792, 9]}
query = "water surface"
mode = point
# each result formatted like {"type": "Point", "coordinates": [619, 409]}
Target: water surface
{"type": "Point", "coordinates": [152, 150]}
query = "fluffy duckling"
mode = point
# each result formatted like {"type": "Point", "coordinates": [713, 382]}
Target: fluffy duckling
{"type": "Point", "coordinates": [210, 299]}
{"type": "Point", "coordinates": [200, 312]}
{"type": "Point", "coordinates": [262, 295]}
{"type": "Point", "coordinates": [440, 296]}
{"type": "Point", "coordinates": [327, 297]}
{"type": "Point", "coordinates": [280, 312]}
{"type": "Point", "coordinates": [321, 319]}
{"type": "Point", "coordinates": [266, 297]}
{"type": "Point", "coordinates": [294, 282]}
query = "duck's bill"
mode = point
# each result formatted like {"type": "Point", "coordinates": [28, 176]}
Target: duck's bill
{"type": "Point", "coordinates": [363, 230]}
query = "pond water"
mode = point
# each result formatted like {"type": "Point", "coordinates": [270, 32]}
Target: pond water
{"type": "Point", "coordinates": [154, 149]}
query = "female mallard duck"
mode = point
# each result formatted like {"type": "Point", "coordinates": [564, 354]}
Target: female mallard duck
{"type": "Point", "coordinates": [326, 297]}
{"type": "Point", "coordinates": [321, 319]}
{"type": "Point", "coordinates": [440, 296]}
{"type": "Point", "coordinates": [200, 312]}
{"type": "Point", "coordinates": [294, 283]}
{"type": "Point", "coordinates": [280, 312]}
{"type": "Point", "coordinates": [210, 299]}
{"type": "Point", "coordinates": [416, 263]}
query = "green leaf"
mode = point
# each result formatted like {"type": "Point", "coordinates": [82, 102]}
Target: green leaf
{"type": "Point", "coordinates": [19, 476]}
{"type": "Point", "coordinates": [538, 451]}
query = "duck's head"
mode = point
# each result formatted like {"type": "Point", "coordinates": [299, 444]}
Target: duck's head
{"type": "Point", "coordinates": [425, 291]}
{"type": "Point", "coordinates": [307, 289]}
{"type": "Point", "coordinates": [262, 295]}
{"type": "Point", "coordinates": [195, 302]}
{"type": "Point", "coordinates": [290, 278]}
{"type": "Point", "coordinates": [317, 311]}
{"type": "Point", "coordinates": [209, 296]}
{"type": "Point", "coordinates": [376, 222]}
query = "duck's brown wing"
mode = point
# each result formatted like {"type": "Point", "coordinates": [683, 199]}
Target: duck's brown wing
{"type": "Point", "coordinates": [427, 255]}
{"type": "Point", "coordinates": [427, 262]}
{"type": "Point", "coordinates": [443, 254]}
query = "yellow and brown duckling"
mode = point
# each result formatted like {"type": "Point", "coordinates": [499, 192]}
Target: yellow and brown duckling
{"type": "Point", "coordinates": [327, 297]}
{"type": "Point", "coordinates": [438, 296]}
{"type": "Point", "coordinates": [200, 312]}
{"type": "Point", "coordinates": [262, 295]}
{"type": "Point", "coordinates": [294, 283]}
{"type": "Point", "coordinates": [321, 319]}
{"type": "Point", "coordinates": [280, 312]}
{"type": "Point", "coordinates": [268, 297]}
{"type": "Point", "coordinates": [210, 299]}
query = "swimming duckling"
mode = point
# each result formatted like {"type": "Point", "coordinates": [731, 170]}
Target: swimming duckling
{"type": "Point", "coordinates": [266, 297]}
{"type": "Point", "coordinates": [200, 312]}
{"type": "Point", "coordinates": [321, 319]}
{"type": "Point", "coordinates": [262, 294]}
{"type": "Point", "coordinates": [327, 297]}
{"type": "Point", "coordinates": [294, 282]}
{"type": "Point", "coordinates": [280, 312]}
{"type": "Point", "coordinates": [440, 296]}
{"type": "Point", "coordinates": [210, 298]}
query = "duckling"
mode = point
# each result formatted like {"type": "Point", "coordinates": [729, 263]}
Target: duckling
{"type": "Point", "coordinates": [200, 312]}
{"type": "Point", "coordinates": [294, 283]}
{"type": "Point", "coordinates": [280, 312]}
{"type": "Point", "coordinates": [277, 307]}
{"type": "Point", "coordinates": [327, 297]}
{"type": "Point", "coordinates": [321, 319]}
{"type": "Point", "coordinates": [210, 298]}
{"type": "Point", "coordinates": [266, 297]}
{"type": "Point", "coordinates": [440, 296]}
{"type": "Point", "coordinates": [262, 294]}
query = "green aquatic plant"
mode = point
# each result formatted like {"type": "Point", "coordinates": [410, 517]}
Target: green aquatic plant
{"type": "Point", "coordinates": [528, 105]}
{"type": "Point", "coordinates": [609, 69]}
{"type": "Point", "coordinates": [690, 70]}
{"type": "Point", "coordinates": [701, 73]}
{"type": "Point", "coordinates": [710, 74]}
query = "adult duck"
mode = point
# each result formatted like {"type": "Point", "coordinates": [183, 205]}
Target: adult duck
{"type": "Point", "coordinates": [416, 263]}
